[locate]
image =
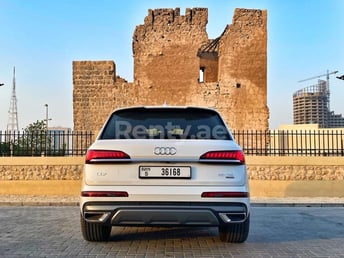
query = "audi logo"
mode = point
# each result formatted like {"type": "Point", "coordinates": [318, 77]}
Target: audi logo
{"type": "Point", "coordinates": [165, 151]}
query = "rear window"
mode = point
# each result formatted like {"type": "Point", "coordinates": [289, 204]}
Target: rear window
{"type": "Point", "coordinates": [165, 123]}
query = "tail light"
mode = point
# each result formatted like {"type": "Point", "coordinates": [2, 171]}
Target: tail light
{"type": "Point", "coordinates": [224, 156]}
{"type": "Point", "coordinates": [104, 194]}
{"type": "Point", "coordinates": [95, 156]}
{"type": "Point", "coordinates": [225, 195]}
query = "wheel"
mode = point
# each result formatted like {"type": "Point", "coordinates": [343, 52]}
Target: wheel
{"type": "Point", "coordinates": [94, 231]}
{"type": "Point", "coordinates": [235, 232]}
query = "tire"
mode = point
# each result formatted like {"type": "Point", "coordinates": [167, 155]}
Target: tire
{"type": "Point", "coordinates": [94, 231]}
{"type": "Point", "coordinates": [235, 232]}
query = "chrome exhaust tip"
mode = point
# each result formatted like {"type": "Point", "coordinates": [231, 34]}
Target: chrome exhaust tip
{"type": "Point", "coordinates": [233, 217]}
{"type": "Point", "coordinates": [96, 216]}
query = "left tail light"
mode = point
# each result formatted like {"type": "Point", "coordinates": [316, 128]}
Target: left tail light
{"type": "Point", "coordinates": [97, 156]}
{"type": "Point", "coordinates": [104, 194]}
{"type": "Point", "coordinates": [236, 156]}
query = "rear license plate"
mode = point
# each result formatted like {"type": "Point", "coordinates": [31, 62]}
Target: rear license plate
{"type": "Point", "coordinates": [183, 172]}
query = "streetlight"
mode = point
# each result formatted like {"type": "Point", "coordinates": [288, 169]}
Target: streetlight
{"type": "Point", "coordinates": [340, 77]}
{"type": "Point", "coordinates": [46, 128]}
{"type": "Point", "coordinates": [2, 84]}
{"type": "Point", "coordinates": [46, 116]}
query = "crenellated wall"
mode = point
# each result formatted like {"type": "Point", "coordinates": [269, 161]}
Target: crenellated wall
{"type": "Point", "coordinates": [170, 52]}
{"type": "Point", "coordinates": [243, 70]}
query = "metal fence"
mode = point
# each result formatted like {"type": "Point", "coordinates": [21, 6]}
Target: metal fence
{"type": "Point", "coordinates": [258, 143]}
{"type": "Point", "coordinates": [44, 143]}
{"type": "Point", "coordinates": [291, 143]}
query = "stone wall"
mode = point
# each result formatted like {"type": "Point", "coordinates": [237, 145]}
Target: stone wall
{"type": "Point", "coordinates": [96, 92]}
{"type": "Point", "coordinates": [41, 168]}
{"type": "Point", "coordinates": [259, 168]}
{"type": "Point", "coordinates": [170, 52]}
{"type": "Point", "coordinates": [295, 168]}
{"type": "Point", "coordinates": [268, 176]}
{"type": "Point", "coordinates": [165, 48]}
{"type": "Point", "coordinates": [243, 70]}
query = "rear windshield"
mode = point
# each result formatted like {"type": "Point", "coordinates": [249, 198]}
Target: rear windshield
{"type": "Point", "coordinates": [165, 123]}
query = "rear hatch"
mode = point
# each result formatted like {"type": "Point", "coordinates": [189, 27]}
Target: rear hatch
{"type": "Point", "coordinates": [165, 162]}
{"type": "Point", "coordinates": [165, 146]}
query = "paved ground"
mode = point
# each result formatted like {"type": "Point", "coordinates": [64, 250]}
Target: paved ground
{"type": "Point", "coordinates": [287, 231]}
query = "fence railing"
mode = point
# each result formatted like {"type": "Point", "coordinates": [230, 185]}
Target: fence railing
{"type": "Point", "coordinates": [259, 143]}
{"type": "Point", "coordinates": [291, 143]}
{"type": "Point", "coordinates": [44, 143]}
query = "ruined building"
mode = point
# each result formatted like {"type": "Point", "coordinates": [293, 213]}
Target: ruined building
{"type": "Point", "coordinates": [176, 64]}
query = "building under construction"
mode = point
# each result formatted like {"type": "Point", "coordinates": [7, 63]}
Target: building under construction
{"type": "Point", "coordinates": [311, 106]}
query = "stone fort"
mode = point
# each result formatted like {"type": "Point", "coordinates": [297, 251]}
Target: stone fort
{"type": "Point", "coordinates": [176, 64]}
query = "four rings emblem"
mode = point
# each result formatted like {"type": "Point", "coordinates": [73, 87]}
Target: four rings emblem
{"type": "Point", "coordinates": [165, 150]}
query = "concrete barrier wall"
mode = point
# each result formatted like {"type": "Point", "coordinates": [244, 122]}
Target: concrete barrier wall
{"type": "Point", "coordinates": [268, 176]}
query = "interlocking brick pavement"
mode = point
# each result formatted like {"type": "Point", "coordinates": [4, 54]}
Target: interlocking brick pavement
{"type": "Point", "coordinates": [54, 231]}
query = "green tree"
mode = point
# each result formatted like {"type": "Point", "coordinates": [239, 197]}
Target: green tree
{"type": "Point", "coordinates": [5, 148]}
{"type": "Point", "coordinates": [38, 126]}
{"type": "Point", "coordinates": [34, 141]}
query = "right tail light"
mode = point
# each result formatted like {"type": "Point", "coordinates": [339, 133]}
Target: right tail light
{"type": "Point", "coordinates": [236, 156]}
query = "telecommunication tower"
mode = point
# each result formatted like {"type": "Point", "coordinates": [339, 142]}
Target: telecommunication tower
{"type": "Point", "coordinates": [12, 124]}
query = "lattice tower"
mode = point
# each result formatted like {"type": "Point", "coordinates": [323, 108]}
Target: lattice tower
{"type": "Point", "coordinates": [12, 124]}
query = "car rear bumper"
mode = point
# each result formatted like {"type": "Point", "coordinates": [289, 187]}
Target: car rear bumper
{"type": "Point", "coordinates": [165, 214]}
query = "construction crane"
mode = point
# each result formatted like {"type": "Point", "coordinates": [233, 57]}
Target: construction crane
{"type": "Point", "coordinates": [327, 80]}
{"type": "Point", "coordinates": [322, 75]}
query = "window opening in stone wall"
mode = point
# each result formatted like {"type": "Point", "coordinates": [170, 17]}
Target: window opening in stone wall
{"type": "Point", "coordinates": [201, 74]}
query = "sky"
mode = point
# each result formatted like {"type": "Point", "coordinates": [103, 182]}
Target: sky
{"type": "Point", "coordinates": [42, 38]}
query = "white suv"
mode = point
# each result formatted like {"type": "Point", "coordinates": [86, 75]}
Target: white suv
{"type": "Point", "coordinates": [165, 166]}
